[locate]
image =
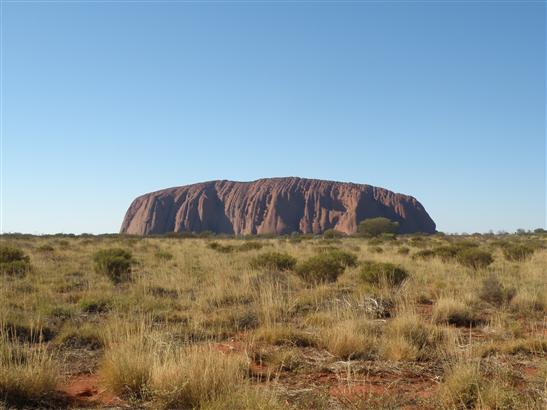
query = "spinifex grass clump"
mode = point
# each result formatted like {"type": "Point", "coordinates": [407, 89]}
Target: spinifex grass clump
{"type": "Point", "coordinates": [449, 310]}
{"type": "Point", "coordinates": [114, 263]}
{"type": "Point", "coordinates": [28, 375]}
{"type": "Point", "coordinates": [378, 273]}
{"type": "Point", "coordinates": [13, 261]}
{"type": "Point", "coordinates": [408, 337]}
{"type": "Point", "coordinates": [494, 292]}
{"type": "Point", "coordinates": [274, 260]}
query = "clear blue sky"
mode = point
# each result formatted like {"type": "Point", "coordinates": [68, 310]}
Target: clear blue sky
{"type": "Point", "coordinates": [103, 102]}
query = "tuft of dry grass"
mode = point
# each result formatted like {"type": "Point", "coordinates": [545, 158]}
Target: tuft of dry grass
{"type": "Point", "coordinates": [190, 377]}
{"type": "Point", "coordinates": [125, 368]}
{"type": "Point", "coordinates": [28, 374]}
{"type": "Point", "coordinates": [452, 311]}
{"type": "Point", "coordinates": [350, 339]}
{"type": "Point", "coordinates": [408, 338]}
{"type": "Point", "coordinates": [285, 335]}
{"type": "Point", "coordinates": [461, 387]}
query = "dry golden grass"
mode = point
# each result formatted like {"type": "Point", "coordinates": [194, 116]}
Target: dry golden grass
{"type": "Point", "coordinates": [351, 339]}
{"type": "Point", "coordinates": [206, 327]}
{"type": "Point", "coordinates": [190, 377]}
{"type": "Point", "coordinates": [28, 374]}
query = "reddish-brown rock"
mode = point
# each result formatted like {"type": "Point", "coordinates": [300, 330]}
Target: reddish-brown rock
{"type": "Point", "coordinates": [272, 205]}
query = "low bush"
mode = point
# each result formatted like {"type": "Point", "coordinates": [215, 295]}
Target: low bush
{"type": "Point", "coordinates": [115, 263]}
{"type": "Point", "coordinates": [378, 273]}
{"type": "Point", "coordinates": [347, 259]}
{"type": "Point", "coordinates": [274, 260]}
{"type": "Point", "coordinates": [517, 252]}
{"type": "Point", "coordinates": [325, 267]}
{"type": "Point", "coordinates": [474, 258]}
{"type": "Point", "coordinates": [13, 261]}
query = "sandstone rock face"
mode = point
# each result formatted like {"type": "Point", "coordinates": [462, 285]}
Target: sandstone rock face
{"type": "Point", "coordinates": [272, 205]}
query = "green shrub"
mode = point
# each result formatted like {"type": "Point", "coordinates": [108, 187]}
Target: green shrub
{"type": "Point", "coordinates": [378, 273]}
{"type": "Point", "coordinates": [114, 263]}
{"type": "Point", "coordinates": [474, 258]}
{"type": "Point", "coordinates": [274, 260]}
{"type": "Point", "coordinates": [378, 226]}
{"type": "Point", "coordinates": [325, 267]}
{"type": "Point", "coordinates": [517, 252]}
{"type": "Point", "coordinates": [13, 261]}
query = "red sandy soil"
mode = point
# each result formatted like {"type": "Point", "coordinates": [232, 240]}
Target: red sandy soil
{"type": "Point", "coordinates": [84, 390]}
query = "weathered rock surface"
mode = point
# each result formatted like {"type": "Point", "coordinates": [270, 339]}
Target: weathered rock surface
{"type": "Point", "coordinates": [272, 205]}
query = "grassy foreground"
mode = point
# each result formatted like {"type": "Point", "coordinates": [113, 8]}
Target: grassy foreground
{"type": "Point", "coordinates": [281, 323]}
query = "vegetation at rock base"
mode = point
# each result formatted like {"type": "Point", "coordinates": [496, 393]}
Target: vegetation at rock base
{"type": "Point", "coordinates": [372, 227]}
